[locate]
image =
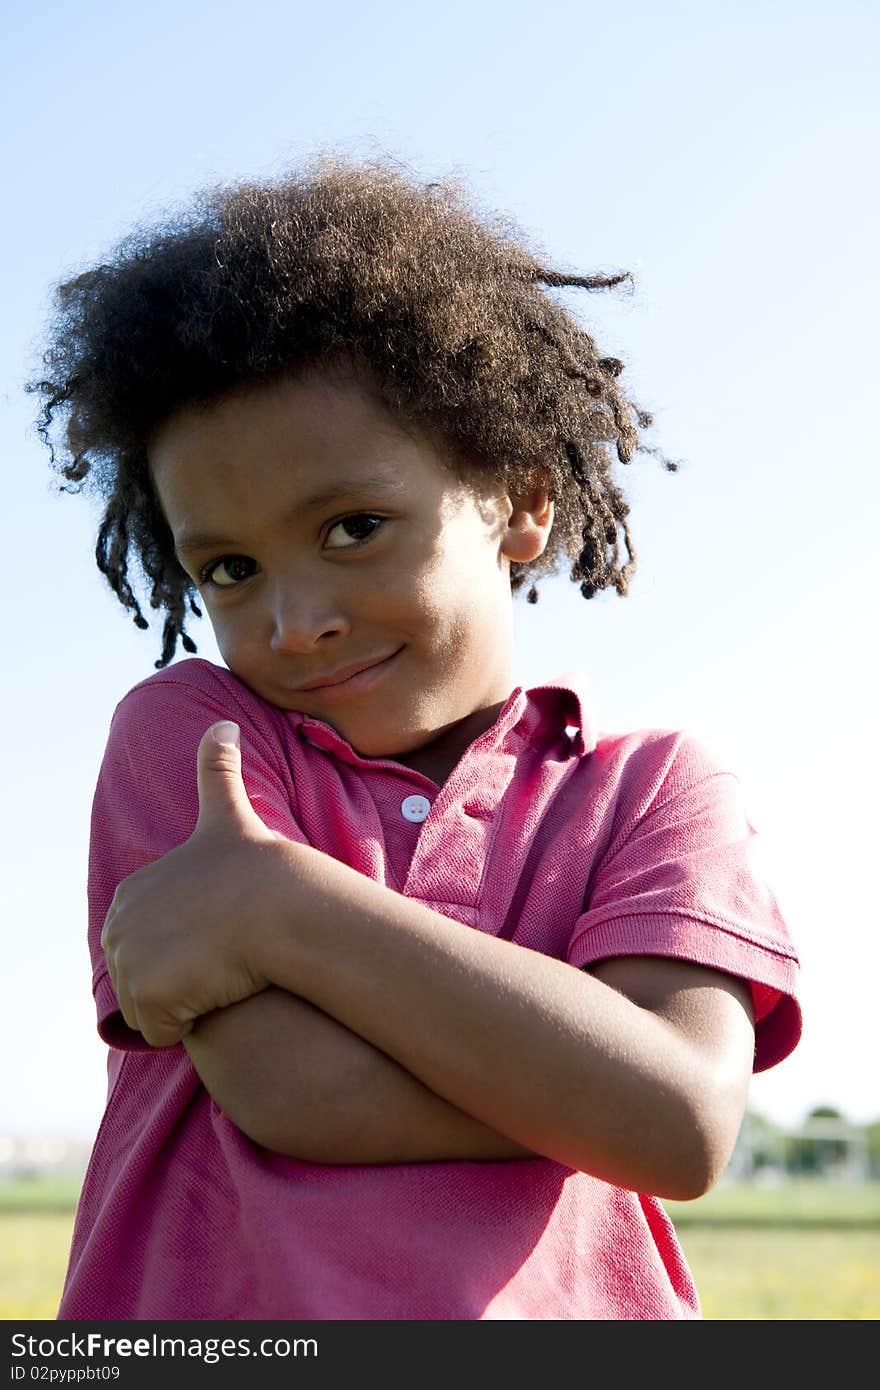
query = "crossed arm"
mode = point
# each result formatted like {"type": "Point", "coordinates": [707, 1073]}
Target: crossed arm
{"type": "Point", "coordinates": [299, 1082]}
{"type": "Point", "coordinates": [348, 1023]}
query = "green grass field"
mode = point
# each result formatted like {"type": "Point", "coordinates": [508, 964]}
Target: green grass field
{"type": "Point", "coordinates": [805, 1251]}
{"type": "Point", "coordinates": [800, 1252]}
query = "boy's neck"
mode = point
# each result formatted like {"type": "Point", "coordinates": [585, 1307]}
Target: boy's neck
{"type": "Point", "coordinates": [437, 758]}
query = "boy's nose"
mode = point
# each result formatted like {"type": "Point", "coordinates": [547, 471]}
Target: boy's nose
{"type": "Point", "coordinates": [301, 619]}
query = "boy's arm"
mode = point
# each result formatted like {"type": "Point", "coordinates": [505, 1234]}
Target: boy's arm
{"type": "Point", "coordinates": [636, 1073]}
{"type": "Point", "coordinates": [298, 1082]}
{"type": "Point", "coordinates": [285, 1072]}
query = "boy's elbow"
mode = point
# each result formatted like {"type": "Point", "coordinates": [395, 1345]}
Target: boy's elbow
{"type": "Point", "coordinates": [687, 1182]}
{"type": "Point", "coordinates": [703, 1144]}
{"type": "Point", "coordinates": [687, 1171]}
{"type": "Point", "coordinates": [683, 1161]}
{"type": "Point", "coordinates": [311, 1133]}
{"type": "Point", "coordinates": [293, 1131]}
{"type": "Point", "coordinates": [307, 1148]}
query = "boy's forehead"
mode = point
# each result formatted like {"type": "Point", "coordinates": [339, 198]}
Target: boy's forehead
{"type": "Point", "coordinates": [222, 467]}
{"type": "Point", "coordinates": [331, 431]}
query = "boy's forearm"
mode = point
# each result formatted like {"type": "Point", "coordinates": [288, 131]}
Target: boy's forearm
{"type": "Point", "coordinates": [300, 1083]}
{"type": "Point", "coordinates": [640, 1082]}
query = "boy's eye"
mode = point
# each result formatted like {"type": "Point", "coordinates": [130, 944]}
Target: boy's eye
{"type": "Point", "coordinates": [355, 522]}
{"type": "Point", "coordinates": [232, 569]}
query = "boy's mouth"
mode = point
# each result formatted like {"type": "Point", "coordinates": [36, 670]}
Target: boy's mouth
{"type": "Point", "coordinates": [356, 676]}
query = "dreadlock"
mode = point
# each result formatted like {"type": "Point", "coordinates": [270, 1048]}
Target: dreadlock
{"type": "Point", "coordinates": [254, 281]}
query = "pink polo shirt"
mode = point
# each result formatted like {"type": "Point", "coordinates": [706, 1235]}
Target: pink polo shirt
{"type": "Point", "coordinates": [577, 844]}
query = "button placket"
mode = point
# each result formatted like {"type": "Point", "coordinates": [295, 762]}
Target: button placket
{"type": "Point", "coordinates": [450, 859]}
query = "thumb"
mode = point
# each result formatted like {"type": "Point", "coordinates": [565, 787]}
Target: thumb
{"type": "Point", "coordinates": [222, 794]}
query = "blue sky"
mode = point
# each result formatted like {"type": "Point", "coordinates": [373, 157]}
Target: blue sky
{"type": "Point", "coordinates": [726, 155]}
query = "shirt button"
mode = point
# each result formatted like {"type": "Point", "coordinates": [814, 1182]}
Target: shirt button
{"type": "Point", "coordinates": [415, 807]}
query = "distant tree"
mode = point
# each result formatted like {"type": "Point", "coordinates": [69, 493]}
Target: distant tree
{"type": "Point", "coordinates": [801, 1156]}
{"type": "Point", "coordinates": [811, 1154]}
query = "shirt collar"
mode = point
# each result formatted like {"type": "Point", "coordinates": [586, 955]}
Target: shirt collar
{"type": "Point", "coordinates": [537, 714]}
{"type": "Point", "coordinates": [541, 712]}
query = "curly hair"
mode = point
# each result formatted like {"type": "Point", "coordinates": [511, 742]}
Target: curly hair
{"type": "Point", "coordinates": [341, 260]}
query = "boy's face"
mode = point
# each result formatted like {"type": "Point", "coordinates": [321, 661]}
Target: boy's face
{"type": "Point", "coordinates": [292, 597]}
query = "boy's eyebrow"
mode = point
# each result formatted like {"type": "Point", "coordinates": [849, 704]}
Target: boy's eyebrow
{"type": "Point", "coordinates": [343, 487]}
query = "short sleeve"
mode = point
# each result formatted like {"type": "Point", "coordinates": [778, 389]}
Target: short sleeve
{"type": "Point", "coordinates": [146, 797]}
{"type": "Point", "coordinates": [682, 877]}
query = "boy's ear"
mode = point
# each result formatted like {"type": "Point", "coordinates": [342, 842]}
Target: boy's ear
{"type": "Point", "coordinates": [529, 524]}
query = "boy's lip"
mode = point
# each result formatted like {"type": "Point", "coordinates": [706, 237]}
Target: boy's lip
{"type": "Point", "coordinates": [344, 673]}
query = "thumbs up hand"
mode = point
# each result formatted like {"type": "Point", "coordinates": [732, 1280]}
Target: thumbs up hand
{"type": "Point", "coordinates": [224, 805]}
{"type": "Point", "coordinates": [182, 934]}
